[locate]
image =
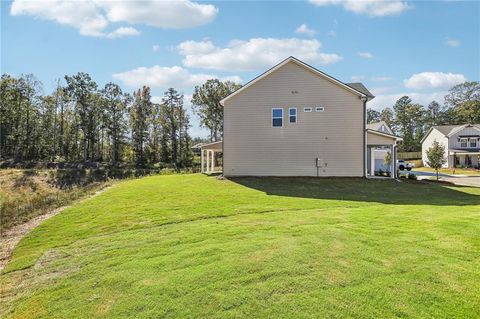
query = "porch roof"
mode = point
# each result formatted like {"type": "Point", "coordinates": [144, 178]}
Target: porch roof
{"type": "Point", "coordinates": [216, 146]}
{"type": "Point", "coordinates": [381, 138]}
{"type": "Point", "coordinates": [472, 151]}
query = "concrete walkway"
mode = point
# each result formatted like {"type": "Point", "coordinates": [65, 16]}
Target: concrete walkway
{"type": "Point", "coordinates": [464, 180]}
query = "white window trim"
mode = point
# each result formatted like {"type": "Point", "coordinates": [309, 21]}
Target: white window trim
{"type": "Point", "coordinates": [307, 109]}
{"type": "Point", "coordinates": [271, 120]}
{"type": "Point", "coordinates": [472, 140]}
{"type": "Point", "coordinates": [466, 142]}
{"type": "Point", "coordinates": [319, 109]}
{"type": "Point", "coordinates": [296, 115]}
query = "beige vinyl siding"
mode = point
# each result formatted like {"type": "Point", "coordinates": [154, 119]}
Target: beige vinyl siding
{"type": "Point", "coordinates": [377, 139]}
{"type": "Point", "coordinates": [253, 147]}
{"type": "Point", "coordinates": [435, 135]}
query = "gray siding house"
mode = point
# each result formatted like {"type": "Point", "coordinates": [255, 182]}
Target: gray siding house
{"type": "Point", "coordinates": [294, 120]}
{"type": "Point", "coordinates": [461, 142]}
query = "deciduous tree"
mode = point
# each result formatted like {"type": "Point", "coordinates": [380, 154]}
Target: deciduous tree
{"type": "Point", "coordinates": [436, 156]}
{"type": "Point", "coordinates": [206, 104]}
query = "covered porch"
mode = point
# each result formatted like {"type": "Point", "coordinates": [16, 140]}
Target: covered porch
{"type": "Point", "coordinates": [381, 154]}
{"type": "Point", "coordinates": [464, 158]}
{"type": "Point", "coordinates": [208, 157]}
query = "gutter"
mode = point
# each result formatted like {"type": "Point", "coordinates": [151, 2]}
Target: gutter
{"type": "Point", "coordinates": [223, 139]}
{"type": "Point", "coordinates": [364, 100]}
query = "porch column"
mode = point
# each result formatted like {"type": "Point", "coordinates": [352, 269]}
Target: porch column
{"type": "Point", "coordinates": [394, 160]}
{"type": "Point", "coordinates": [372, 161]}
{"type": "Point", "coordinates": [202, 165]}
{"type": "Point", "coordinates": [392, 163]}
{"type": "Point", "coordinates": [213, 161]}
{"type": "Point", "coordinates": [208, 161]}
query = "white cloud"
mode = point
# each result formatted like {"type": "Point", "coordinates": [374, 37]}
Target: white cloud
{"type": "Point", "coordinates": [304, 29]}
{"type": "Point", "coordinates": [253, 54]}
{"type": "Point", "coordinates": [365, 55]}
{"type": "Point", "coordinates": [453, 43]}
{"type": "Point", "coordinates": [194, 47]}
{"type": "Point", "coordinates": [173, 14]}
{"type": "Point", "coordinates": [122, 32]}
{"type": "Point", "coordinates": [166, 77]}
{"type": "Point", "coordinates": [374, 8]}
{"type": "Point", "coordinates": [382, 101]}
{"type": "Point", "coordinates": [357, 78]}
{"type": "Point", "coordinates": [156, 48]}
{"type": "Point", "coordinates": [93, 17]}
{"type": "Point", "coordinates": [433, 80]}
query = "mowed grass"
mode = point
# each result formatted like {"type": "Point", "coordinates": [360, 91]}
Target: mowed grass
{"type": "Point", "coordinates": [192, 246]}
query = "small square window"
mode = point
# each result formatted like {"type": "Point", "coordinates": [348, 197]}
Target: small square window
{"type": "Point", "coordinates": [292, 115]}
{"type": "Point", "coordinates": [463, 142]}
{"type": "Point", "coordinates": [307, 109]}
{"type": "Point", "coordinates": [473, 142]}
{"type": "Point", "coordinates": [319, 109]}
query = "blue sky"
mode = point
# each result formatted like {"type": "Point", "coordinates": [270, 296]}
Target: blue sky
{"type": "Point", "coordinates": [419, 48]}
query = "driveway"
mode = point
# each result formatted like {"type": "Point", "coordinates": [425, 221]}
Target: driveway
{"type": "Point", "coordinates": [454, 179]}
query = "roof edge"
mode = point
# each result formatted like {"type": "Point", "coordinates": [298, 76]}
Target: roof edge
{"type": "Point", "coordinates": [301, 63]}
{"type": "Point", "coordinates": [398, 138]}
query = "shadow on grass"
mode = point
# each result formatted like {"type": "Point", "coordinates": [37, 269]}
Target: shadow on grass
{"type": "Point", "coordinates": [365, 190]}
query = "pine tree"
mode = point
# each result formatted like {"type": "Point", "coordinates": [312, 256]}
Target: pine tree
{"type": "Point", "coordinates": [140, 113]}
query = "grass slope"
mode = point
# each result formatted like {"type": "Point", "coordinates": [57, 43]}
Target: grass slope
{"type": "Point", "coordinates": [194, 246]}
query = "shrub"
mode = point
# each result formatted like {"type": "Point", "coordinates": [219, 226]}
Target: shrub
{"type": "Point", "coordinates": [412, 176]}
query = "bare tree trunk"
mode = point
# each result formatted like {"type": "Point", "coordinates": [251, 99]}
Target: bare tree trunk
{"type": "Point", "coordinates": [55, 123]}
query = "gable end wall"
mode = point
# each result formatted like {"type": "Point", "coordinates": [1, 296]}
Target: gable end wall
{"type": "Point", "coordinates": [252, 147]}
{"type": "Point", "coordinates": [428, 142]}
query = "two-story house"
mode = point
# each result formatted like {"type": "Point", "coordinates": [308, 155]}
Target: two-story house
{"type": "Point", "coordinates": [294, 120]}
{"type": "Point", "coordinates": [461, 142]}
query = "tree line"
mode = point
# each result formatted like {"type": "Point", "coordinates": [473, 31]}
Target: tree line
{"type": "Point", "coordinates": [411, 121]}
{"type": "Point", "coordinates": [80, 121]}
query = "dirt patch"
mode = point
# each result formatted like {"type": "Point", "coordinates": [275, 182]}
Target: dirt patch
{"type": "Point", "coordinates": [12, 236]}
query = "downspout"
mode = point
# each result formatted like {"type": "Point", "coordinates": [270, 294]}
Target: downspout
{"type": "Point", "coordinates": [394, 159]}
{"type": "Point", "coordinates": [223, 139]}
{"type": "Point", "coordinates": [364, 100]}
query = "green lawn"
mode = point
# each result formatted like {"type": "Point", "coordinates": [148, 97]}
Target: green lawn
{"type": "Point", "coordinates": [192, 246]}
{"type": "Point", "coordinates": [451, 171]}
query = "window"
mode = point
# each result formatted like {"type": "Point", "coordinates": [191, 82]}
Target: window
{"type": "Point", "coordinates": [292, 115]}
{"type": "Point", "coordinates": [463, 142]}
{"type": "Point", "coordinates": [307, 109]}
{"type": "Point", "coordinates": [277, 117]}
{"type": "Point", "coordinates": [319, 109]}
{"type": "Point", "coordinates": [473, 142]}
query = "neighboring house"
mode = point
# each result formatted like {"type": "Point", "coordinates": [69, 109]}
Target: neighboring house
{"type": "Point", "coordinates": [294, 120]}
{"type": "Point", "coordinates": [381, 126]}
{"type": "Point", "coordinates": [461, 142]}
